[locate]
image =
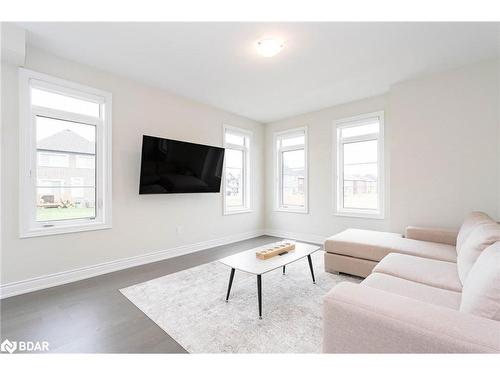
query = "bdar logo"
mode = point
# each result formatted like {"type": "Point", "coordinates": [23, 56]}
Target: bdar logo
{"type": "Point", "coordinates": [24, 346]}
{"type": "Point", "coordinates": [8, 346]}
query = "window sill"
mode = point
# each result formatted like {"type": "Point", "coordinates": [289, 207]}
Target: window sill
{"type": "Point", "coordinates": [51, 231]}
{"type": "Point", "coordinates": [236, 212]}
{"type": "Point", "coordinates": [292, 210]}
{"type": "Point", "coordinates": [360, 214]}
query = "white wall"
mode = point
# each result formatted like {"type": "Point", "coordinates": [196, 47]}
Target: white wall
{"type": "Point", "coordinates": [442, 149]}
{"type": "Point", "coordinates": [498, 106]}
{"type": "Point", "coordinates": [444, 146]}
{"type": "Point", "coordinates": [141, 224]}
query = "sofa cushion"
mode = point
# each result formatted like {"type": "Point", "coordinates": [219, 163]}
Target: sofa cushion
{"type": "Point", "coordinates": [414, 290]}
{"type": "Point", "coordinates": [481, 291]}
{"type": "Point", "coordinates": [482, 236]}
{"type": "Point", "coordinates": [436, 273]}
{"type": "Point", "coordinates": [470, 222]}
{"type": "Point", "coordinates": [374, 245]}
{"type": "Point", "coordinates": [359, 319]}
{"type": "Point", "coordinates": [439, 235]}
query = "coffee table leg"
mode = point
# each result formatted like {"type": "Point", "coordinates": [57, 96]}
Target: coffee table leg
{"type": "Point", "coordinates": [230, 283]}
{"type": "Point", "coordinates": [259, 294]}
{"type": "Point", "coordinates": [311, 267]}
{"type": "Point", "coordinates": [284, 270]}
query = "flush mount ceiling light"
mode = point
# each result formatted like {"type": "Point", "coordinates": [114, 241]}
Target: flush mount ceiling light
{"type": "Point", "coordinates": [269, 47]}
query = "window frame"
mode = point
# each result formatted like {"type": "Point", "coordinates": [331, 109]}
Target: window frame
{"type": "Point", "coordinates": [28, 226]}
{"type": "Point", "coordinates": [338, 166]}
{"type": "Point", "coordinates": [247, 170]}
{"type": "Point", "coordinates": [278, 176]}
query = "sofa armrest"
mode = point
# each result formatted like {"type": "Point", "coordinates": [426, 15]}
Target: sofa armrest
{"type": "Point", "coordinates": [440, 235]}
{"type": "Point", "coordinates": [361, 319]}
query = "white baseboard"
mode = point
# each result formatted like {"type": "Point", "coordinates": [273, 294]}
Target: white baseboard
{"type": "Point", "coordinates": [47, 281]}
{"type": "Point", "coordinates": [313, 238]}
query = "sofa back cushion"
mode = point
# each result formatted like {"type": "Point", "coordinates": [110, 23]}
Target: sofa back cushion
{"type": "Point", "coordinates": [470, 222]}
{"type": "Point", "coordinates": [482, 236]}
{"type": "Point", "coordinates": [481, 291]}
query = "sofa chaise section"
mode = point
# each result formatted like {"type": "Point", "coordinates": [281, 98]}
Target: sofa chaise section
{"type": "Point", "coordinates": [357, 251]}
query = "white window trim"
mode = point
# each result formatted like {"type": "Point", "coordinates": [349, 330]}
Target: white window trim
{"type": "Point", "coordinates": [28, 227]}
{"type": "Point", "coordinates": [247, 175]}
{"type": "Point", "coordinates": [277, 155]}
{"type": "Point", "coordinates": [338, 209]}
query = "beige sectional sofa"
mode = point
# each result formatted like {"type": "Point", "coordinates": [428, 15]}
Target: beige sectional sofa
{"type": "Point", "coordinates": [357, 251]}
{"type": "Point", "coordinates": [432, 291]}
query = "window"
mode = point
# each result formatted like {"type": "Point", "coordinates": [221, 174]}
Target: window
{"type": "Point", "coordinates": [360, 172]}
{"type": "Point", "coordinates": [65, 156]}
{"type": "Point", "coordinates": [291, 170]}
{"type": "Point", "coordinates": [236, 170]}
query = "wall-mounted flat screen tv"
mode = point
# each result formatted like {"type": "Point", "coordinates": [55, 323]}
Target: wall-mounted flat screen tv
{"type": "Point", "coordinates": [169, 167]}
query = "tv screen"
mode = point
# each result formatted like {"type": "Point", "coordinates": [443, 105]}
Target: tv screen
{"type": "Point", "coordinates": [169, 166]}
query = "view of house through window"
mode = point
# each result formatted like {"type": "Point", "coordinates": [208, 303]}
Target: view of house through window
{"type": "Point", "coordinates": [236, 170]}
{"type": "Point", "coordinates": [360, 175]}
{"type": "Point", "coordinates": [65, 188]}
{"type": "Point", "coordinates": [234, 178]}
{"type": "Point", "coordinates": [291, 169]}
{"type": "Point", "coordinates": [358, 170]}
{"type": "Point", "coordinates": [293, 178]}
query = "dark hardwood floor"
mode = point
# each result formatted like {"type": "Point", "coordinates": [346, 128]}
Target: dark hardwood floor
{"type": "Point", "coordinates": [92, 316]}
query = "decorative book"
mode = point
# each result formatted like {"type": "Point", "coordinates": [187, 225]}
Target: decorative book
{"type": "Point", "coordinates": [277, 249]}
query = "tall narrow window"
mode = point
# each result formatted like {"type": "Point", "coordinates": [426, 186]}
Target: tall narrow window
{"type": "Point", "coordinates": [291, 170]}
{"type": "Point", "coordinates": [65, 156]}
{"type": "Point", "coordinates": [360, 166]}
{"type": "Point", "coordinates": [237, 170]}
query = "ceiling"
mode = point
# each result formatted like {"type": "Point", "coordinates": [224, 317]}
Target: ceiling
{"type": "Point", "coordinates": [323, 64]}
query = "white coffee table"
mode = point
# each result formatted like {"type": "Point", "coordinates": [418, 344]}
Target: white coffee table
{"type": "Point", "coordinates": [246, 261]}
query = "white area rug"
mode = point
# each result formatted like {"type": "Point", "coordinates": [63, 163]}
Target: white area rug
{"type": "Point", "coordinates": [190, 306]}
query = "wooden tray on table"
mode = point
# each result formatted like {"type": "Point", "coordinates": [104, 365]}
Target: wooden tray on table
{"type": "Point", "coordinates": [278, 249]}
